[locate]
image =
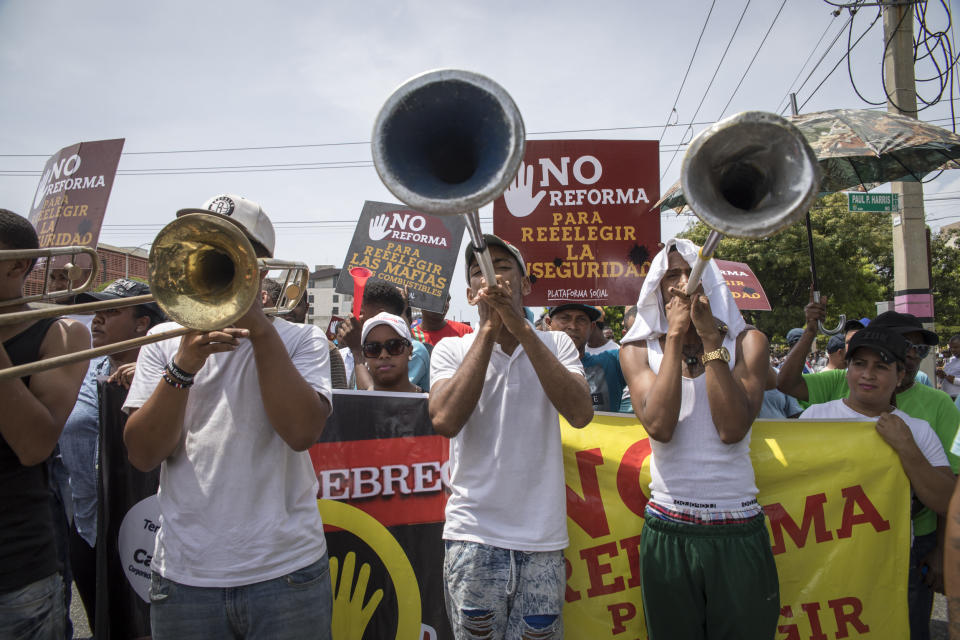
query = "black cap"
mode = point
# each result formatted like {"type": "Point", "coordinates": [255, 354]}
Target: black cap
{"type": "Point", "coordinates": [124, 288]}
{"type": "Point", "coordinates": [890, 344]}
{"type": "Point", "coordinates": [592, 312]}
{"type": "Point", "coordinates": [904, 323]}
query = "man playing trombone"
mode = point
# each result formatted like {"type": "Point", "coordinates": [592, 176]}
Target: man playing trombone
{"type": "Point", "coordinates": [229, 414]}
{"type": "Point", "coordinates": [35, 408]}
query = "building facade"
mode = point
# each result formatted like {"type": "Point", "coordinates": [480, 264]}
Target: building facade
{"type": "Point", "coordinates": [325, 302]}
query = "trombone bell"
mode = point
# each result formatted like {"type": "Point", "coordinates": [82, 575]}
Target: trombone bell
{"type": "Point", "coordinates": [203, 272]}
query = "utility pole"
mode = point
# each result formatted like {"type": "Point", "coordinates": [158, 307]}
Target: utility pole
{"type": "Point", "coordinates": [911, 278]}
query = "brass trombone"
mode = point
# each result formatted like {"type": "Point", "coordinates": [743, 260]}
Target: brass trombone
{"type": "Point", "coordinates": [204, 274]}
{"type": "Point", "coordinates": [73, 271]}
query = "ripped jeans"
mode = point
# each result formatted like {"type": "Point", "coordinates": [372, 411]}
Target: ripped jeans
{"type": "Point", "coordinates": [498, 593]}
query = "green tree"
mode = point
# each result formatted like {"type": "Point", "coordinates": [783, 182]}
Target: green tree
{"type": "Point", "coordinates": [854, 255]}
{"type": "Point", "coordinates": [613, 316]}
{"type": "Point", "coordinates": [945, 282]}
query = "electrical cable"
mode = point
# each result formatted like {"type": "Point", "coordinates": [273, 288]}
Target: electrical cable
{"type": "Point", "coordinates": [712, 79]}
{"type": "Point", "coordinates": [676, 99]}
{"type": "Point", "coordinates": [753, 59]}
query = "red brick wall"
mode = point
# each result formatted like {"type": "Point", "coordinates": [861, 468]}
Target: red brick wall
{"type": "Point", "coordinates": [113, 265]}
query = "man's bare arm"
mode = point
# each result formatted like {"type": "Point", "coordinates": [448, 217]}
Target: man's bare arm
{"type": "Point", "coordinates": [568, 391]}
{"type": "Point", "coordinates": [655, 396]}
{"type": "Point", "coordinates": [152, 432]}
{"type": "Point", "coordinates": [790, 379]}
{"type": "Point", "coordinates": [33, 417]}
{"type": "Point", "coordinates": [295, 410]}
{"type": "Point", "coordinates": [453, 400]}
{"type": "Point", "coordinates": [735, 396]}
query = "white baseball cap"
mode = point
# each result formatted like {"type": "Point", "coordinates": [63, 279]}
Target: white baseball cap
{"type": "Point", "coordinates": [396, 323]}
{"type": "Point", "coordinates": [246, 214]}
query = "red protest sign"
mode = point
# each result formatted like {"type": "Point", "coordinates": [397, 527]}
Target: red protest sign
{"type": "Point", "coordinates": [579, 211]}
{"type": "Point", "coordinates": [745, 287]}
{"type": "Point", "coordinates": [72, 196]}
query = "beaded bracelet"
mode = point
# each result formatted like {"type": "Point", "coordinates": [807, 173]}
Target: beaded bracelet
{"type": "Point", "coordinates": [179, 374]}
{"type": "Point", "coordinates": [173, 382]}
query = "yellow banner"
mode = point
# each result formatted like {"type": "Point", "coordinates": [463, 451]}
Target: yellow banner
{"type": "Point", "coordinates": [838, 509]}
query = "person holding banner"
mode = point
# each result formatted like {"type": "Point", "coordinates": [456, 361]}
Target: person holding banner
{"type": "Point", "coordinates": [917, 401]}
{"type": "Point", "coordinates": [35, 408]}
{"type": "Point", "coordinates": [876, 364]}
{"type": "Point", "coordinates": [497, 394]}
{"type": "Point", "coordinates": [229, 415]}
{"type": "Point", "coordinates": [697, 374]}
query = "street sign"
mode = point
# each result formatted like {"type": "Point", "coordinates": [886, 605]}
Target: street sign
{"type": "Point", "coordinates": [873, 202]}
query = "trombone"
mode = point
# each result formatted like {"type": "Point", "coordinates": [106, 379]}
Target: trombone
{"type": "Point", "coordinates": [204, 274]}
{"type": "Point", "coordinates": [73, 271]}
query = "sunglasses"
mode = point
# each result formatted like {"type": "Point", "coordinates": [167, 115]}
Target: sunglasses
{"type": "Point", "coordinates": [394, 347]}
{"type": "Point", "coordinates": [921, 349]}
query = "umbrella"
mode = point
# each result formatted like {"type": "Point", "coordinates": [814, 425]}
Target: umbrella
{"type": "Point", "coordinates": [861, 149]}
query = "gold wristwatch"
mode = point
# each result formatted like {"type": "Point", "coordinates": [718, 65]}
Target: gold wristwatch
{"type": "Point", "coordinates": [717, 354]}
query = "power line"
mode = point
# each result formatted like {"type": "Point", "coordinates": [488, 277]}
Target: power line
{"type": "Point", "coordinates": [714, 77]}
{"type": "Point", "coordinates": [755, 54]}
{"type": "Point", "coordinates": [676, 99]}
{"type": "Point", "coordinates": [846, 56]}
{"type": "Point", "coordinates": [786, 98]}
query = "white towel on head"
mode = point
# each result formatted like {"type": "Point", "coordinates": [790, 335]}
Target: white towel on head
{"type": "Point", "coordinates": [651, 319]}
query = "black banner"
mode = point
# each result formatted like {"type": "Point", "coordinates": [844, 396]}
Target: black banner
{"type": "Point", "coordinates": [381, 468]}
{"type": "Point", "coordinates": [122, 613]}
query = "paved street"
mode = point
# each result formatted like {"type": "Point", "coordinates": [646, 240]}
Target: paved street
{"type": "Point", "coordinates": [938, 624]}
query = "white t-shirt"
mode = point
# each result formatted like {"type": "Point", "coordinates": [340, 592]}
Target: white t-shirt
{"type": "Point", "coordinates": [951, 368]}
{"type": "Point", "coordinates": [238, 505]}
{"type": "Point", "coordinates": [506, 464]}
{"type": "Point", "coordinates": [925, 437]}
{"type": "Point", "coordinates": [609, 345]}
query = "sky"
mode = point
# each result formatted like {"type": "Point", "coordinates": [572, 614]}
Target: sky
{"type": "Point", "coordinates": [297, 85]}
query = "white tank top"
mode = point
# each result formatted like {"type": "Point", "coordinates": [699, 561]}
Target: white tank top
{"type": "Point", "coordinates": [696, 471]}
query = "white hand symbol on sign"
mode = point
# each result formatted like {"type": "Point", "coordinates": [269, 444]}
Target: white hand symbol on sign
{"type": "Point", "coordinates": [519, 196]}
{"type": "Point", "coordinates": [378, 228]}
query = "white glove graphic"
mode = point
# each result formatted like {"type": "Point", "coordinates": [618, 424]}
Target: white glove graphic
{"type": "Point", "coordinates": [378, 227]}
{"type": "Point", "coordinates": [519, 196]}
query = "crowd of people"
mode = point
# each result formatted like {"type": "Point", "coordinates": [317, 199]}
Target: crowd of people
{"type": "Point", "coordinates": [228, 415]}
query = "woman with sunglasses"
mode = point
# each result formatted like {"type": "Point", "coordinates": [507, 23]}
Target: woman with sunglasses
{"type": "Point", "coordinates": [387, 346]}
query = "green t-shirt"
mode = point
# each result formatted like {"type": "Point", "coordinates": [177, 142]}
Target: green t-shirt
{"type": "Point", "coordinates": [918, 401]}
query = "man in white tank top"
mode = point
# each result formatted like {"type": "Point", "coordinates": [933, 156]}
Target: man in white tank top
{"type": "Point", "coordinates": [696, 375]}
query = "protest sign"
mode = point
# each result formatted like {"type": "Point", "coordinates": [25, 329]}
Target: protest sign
{"type": "Point", "coordinates": [410, 249]}
{"type": "Point", "coordinates": [579, 211]}
{"type": "Point", "coordinates": [72, 196]}
{"type": "Point", "coordinates": [380, 467]}
{"type": "Point", "coordinates": [744, 286]}
{"type": "Point", "coordinates": [841, 545]}
{"type": "Point", "coordinates": [835, 496]}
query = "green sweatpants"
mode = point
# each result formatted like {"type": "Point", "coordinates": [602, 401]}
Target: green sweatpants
{"type": "Point", "coordinates": [709, 581]}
